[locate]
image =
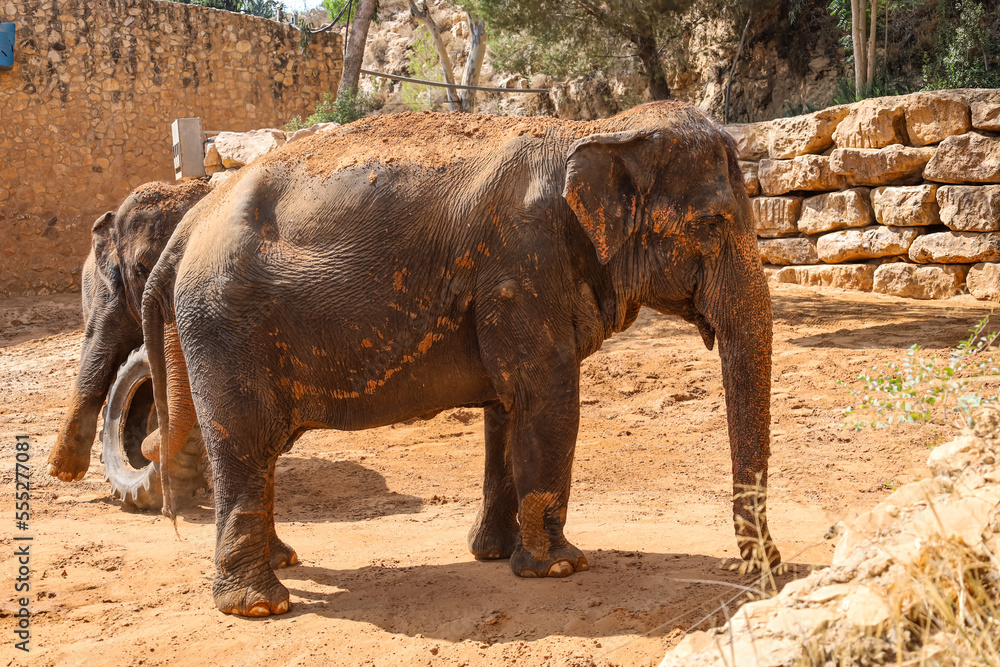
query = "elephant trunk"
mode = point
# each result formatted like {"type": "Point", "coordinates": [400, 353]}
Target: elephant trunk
{"type": "Point", "coordinates": [736, 304]}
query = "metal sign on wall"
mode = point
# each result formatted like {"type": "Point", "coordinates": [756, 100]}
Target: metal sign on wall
{"type": "Point", "coordinates": [6, 45]}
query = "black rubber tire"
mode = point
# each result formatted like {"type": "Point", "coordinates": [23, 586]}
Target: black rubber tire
{"type": "Point", "coordinates": [129, 415]}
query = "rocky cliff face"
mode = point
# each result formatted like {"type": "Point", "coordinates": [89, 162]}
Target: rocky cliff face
{"type": "Point", "coordinates": [782, 68]}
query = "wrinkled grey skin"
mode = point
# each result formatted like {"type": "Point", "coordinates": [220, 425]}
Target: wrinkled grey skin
{"type": "Point", "coordinates": [126, 245]}
{"type": "Point", "coordinates": [321, 292]}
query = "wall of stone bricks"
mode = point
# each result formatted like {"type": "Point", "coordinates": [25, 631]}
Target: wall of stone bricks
{"type": "Point", "coordinates": [85, 113]}
{"type": "Point", "coordinates": [899, 195]}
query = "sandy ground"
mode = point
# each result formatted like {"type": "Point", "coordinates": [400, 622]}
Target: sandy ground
{"type": "Point", "coordinates": [379, 517]}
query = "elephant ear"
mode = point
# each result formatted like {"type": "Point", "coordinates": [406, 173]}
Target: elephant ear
{"type": "Point", "coordinates": [601, 190]}
{"type": "Point", "coordinates": [104, 251]}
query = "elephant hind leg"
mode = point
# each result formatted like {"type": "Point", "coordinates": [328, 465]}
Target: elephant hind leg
{"type": "Point", "coordinates": [496, 533]}
{"type": "Point", "coordinates": [245, 584]}
{"type": "Point", "coordinates": [243, 462]}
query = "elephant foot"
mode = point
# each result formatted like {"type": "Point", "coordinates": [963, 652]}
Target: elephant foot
{"type": "Point", "coordinates": [68, 466]}
{"type": "Point", "coordinates": [493, 544]}
{"type": "Point", "coordinates": [282, 555]}
{"type": "Point", "coordinates": [560, 562]}
{"type": "Point", "coordinates": [263, 597]}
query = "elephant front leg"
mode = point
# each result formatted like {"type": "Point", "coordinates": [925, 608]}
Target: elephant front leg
{"type": "Point", "coordinates": [282, 555]}
{"type": "Point", "coordinates": [244, 579]}
{"type": "Point", "coordinates": [542, 449]}
{"type": "Point", "coordinates": [496, 533]}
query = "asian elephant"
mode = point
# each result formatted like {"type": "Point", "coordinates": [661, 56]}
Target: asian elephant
{"type": "Point", "coordinates": [407, 264]}
{"type": "Point", "coordinates": [126, 245]}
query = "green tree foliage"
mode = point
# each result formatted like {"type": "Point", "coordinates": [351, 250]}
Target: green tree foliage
{"type": "Point", "coordinates": [966, 48]}
{"type": "Point", "coordinates": [565, 37]}
{"type": "Point", "coordinates": [335, 7]}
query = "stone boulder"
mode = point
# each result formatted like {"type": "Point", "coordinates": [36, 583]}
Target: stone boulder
{"type": "Point", "coordinates": [906, 206]}
{"type": "Point", "coordinates": [239, 148]}
{"type": "Point", "coordinates": [835, 210]}
{"type": "Point", "coordinates": [318, 128]}
{"type": "Point", "coordinates": [920, 281]}
{"type": "Point", "coordinates": [806, 172]}
{"type": "Point", "coordinates": [983, 281]}
{"type": "Point", "coordinates": [970, 208]}
{"type": "Point", "coordinates": [930, 117]}
{"type": "Point", "coordinates": [844, 276]}
{"type": "Point", "coordinates": [220, 177]}
{"type": "Point", "coordinates": [750, 180]}
{"type": "Point", "coordinates": [966, 158]}
{"type": "Point", "coordinates": [956, 248]}
{"type": "Point", "coordinates": [894, 165]}
{"type": "Point", "coordinates": [776, 216]}
{"type": "Point", "coordinates": [788, 251]}
{"type": "Point", "coordinates": [986, 115]}
{"type": "Point", "coordinates": [866, 243]}
{"type": "Point", "coordinates": [751, 139]}
{"type": "Point", "coordinates": [802, 135]}
{"type": "Point", "coordinates": [213, 161]}
{"type": "Point", "coordinates": [893, 569]}
{"type": "Point", "coordinates": [874, 123]}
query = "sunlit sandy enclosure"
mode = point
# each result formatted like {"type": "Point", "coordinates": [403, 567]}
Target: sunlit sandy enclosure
{"type": "Point", "coordinates": [473, 333]}
{"type": "Point", "coordinates": [379, 517]}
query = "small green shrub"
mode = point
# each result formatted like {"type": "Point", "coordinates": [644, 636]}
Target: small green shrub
{"type": "Point", "coordinates": [928, 390]}
{"type": "Point", "coordinates": [344, 109]}
{"type": "Point", "coordinates": [424, 64]}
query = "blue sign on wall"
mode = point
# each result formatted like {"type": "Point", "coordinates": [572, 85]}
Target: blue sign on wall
{"type": "Point", "coordinates": [6, 45]}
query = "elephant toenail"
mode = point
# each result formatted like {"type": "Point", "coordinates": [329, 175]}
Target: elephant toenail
{"type": "Point", "coordinates": [259, 610]}
{"type": "Point", "coordinates": [282, 607]}
{"type": "Point", "coordinates": [560, 568]}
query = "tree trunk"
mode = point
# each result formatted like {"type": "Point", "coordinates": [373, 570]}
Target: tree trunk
{"type": "Point", "coordinates": [477, 51]}
{"type": "Point", "coordinates": [655, 76]}
{"type": "Point", "coordinates": [423, 14]}
{"type": "Point", "coordinates": [870, 80]}
{"type": "Point", "coordinates": [354, 52]}
{"type": "Point", "coordinates": [857, 27]}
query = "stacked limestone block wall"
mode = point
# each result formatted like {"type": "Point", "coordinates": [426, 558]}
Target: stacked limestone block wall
{"type": "Point", "coordinates": [85, 113]}
{"type": "Point", "coordinates": [900, 195]}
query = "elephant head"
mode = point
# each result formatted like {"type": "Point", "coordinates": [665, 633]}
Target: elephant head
{"type": "Point", "coordinates": [126, 246]}
{"type": "Point", "coordinates": [664, 204]}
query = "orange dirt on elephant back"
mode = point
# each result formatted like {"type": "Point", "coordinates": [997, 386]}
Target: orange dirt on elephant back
{"type": "Point", "coordinates": [434, 140]}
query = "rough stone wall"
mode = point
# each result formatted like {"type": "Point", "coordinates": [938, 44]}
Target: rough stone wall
{"type": "Point", "coordinates": [85, 113]}
{"type": "Point", "coordinates": [900, 195]}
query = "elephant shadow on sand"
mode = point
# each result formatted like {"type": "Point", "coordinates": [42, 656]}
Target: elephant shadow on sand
{"type": "Point", "coordinates": [625, 592]}
{"type": "Point", "coordinates": [318, 490]}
